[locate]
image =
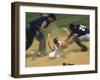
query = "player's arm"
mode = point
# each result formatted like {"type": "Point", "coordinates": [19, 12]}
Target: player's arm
{"type": "Point", "coordinates": [74, 37]}
{"type": "Point", "coordinates": [66, 42]}
{"type": "Point", "coordinates": [41, 29]}
{"type": "Point", "coordinates": [50, 43]}
{"type": "Point", "coordinates": [66, 30]}
{"type": "Point", "coordinates": [69, 36]}
{"type": "Point", "coordinates": [44, 23]}
{"type": "Point", "coordinates": [69, 33]}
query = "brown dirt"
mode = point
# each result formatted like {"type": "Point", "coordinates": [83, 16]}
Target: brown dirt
{"type": "Point", "coordinates": [71, 55]}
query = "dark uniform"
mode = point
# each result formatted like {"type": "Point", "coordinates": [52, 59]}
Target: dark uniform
{"type": "Point", "coordinates": [80, 30]}
{"type": "Point", "coordinates": [31, 32]}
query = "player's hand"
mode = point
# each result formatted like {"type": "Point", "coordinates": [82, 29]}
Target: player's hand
{"type": "Point", "coordinates": [64, 29]}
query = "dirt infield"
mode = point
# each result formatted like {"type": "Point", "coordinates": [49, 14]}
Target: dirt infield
{"type": "Point", "coordinates": [71, 55]}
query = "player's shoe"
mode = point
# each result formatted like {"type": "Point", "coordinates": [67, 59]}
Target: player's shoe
{"type": "Point", "coordinates": [56, 53]}
{"type": "Point", "coordinates": [84, 48]}
{"type": "Point", "coordinates": [41, 54]}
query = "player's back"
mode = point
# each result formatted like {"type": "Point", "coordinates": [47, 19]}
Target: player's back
{"type": "Point", "coordinates": [79, 29]}
{"type": "Point", "coordinates": [37, 23]}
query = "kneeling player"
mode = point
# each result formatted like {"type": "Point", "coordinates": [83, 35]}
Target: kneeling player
{"type": "Point", "coordinates": [77, 34]}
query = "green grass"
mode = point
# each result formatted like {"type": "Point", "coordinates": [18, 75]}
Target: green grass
{"type": "Point", "coordinates": [63, 20]}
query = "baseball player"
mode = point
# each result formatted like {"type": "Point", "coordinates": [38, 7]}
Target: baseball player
{"type": "Point", "coordinates": [77, 34]}
{"type": "Point", "coordinates": [36, 28]}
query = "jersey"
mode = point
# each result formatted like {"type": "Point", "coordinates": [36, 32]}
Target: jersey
{"type": "Point", "coordinates": [79, 29]}
{"type": "Point", "coordinates": [36, 24]}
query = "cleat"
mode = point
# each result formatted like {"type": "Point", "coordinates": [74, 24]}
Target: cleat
{"type": "Point", "coordinates": [84, 48]}
{"type": "Point", "coordinates": [56, 53]}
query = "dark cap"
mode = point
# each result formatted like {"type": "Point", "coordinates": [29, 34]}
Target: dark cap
{"type": "Point", "coordinates": [52, 16]}
{"type": "Point", "coordinates": [71, 26]}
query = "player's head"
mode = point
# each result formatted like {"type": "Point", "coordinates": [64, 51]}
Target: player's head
{"type": "Point", "coordinates": [72, 26]}
{"type": "Point", "coordinates": [52, 17]}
